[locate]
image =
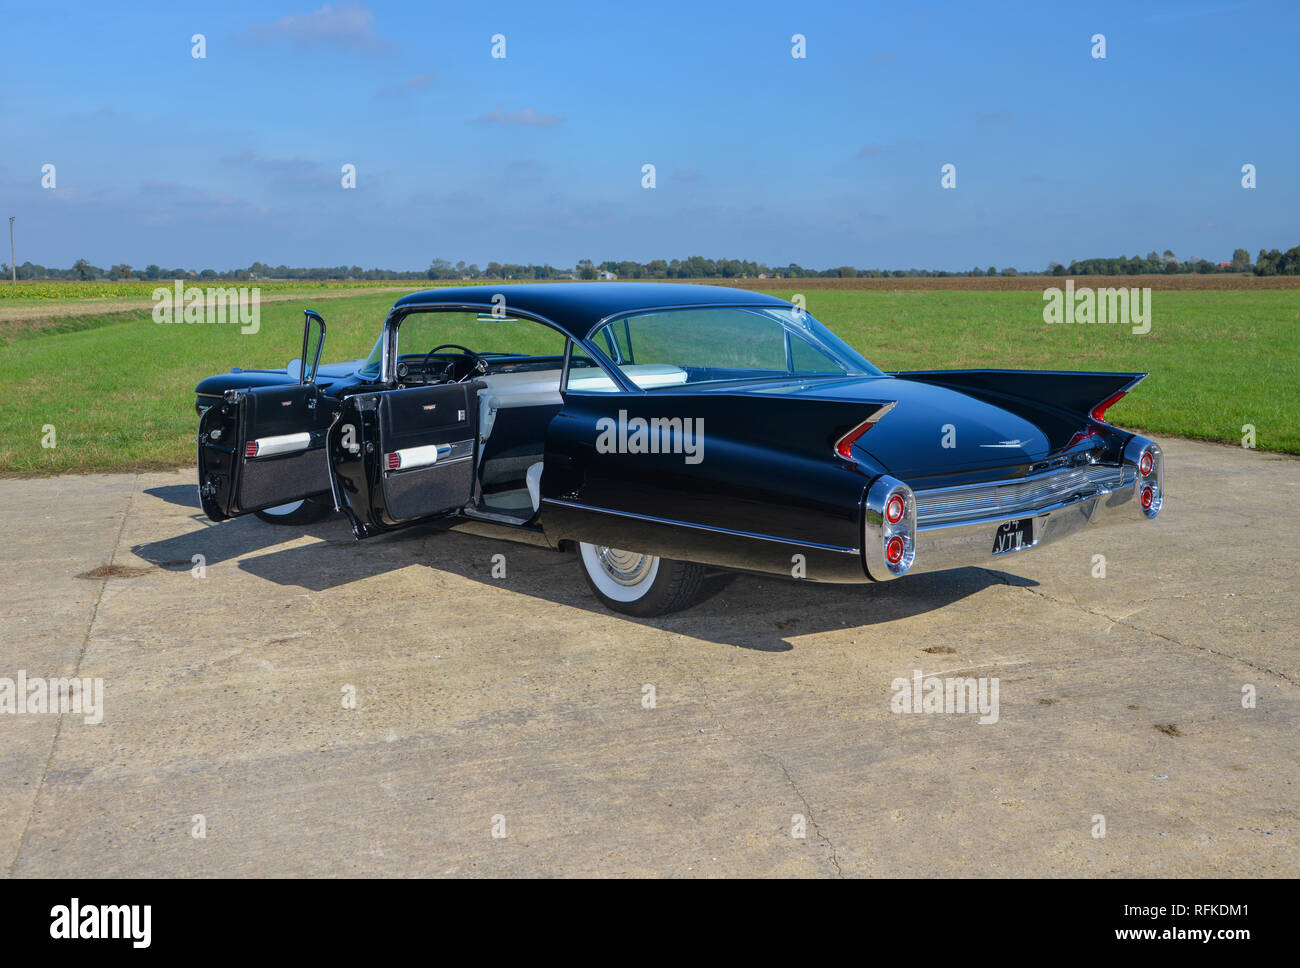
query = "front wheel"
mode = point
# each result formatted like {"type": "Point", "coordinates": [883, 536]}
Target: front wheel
{"type": "Point", "coordinates": [305, 511]}
{"type": "Point", "coordinates": [637, 584]}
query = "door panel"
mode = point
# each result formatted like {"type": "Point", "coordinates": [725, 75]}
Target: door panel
{"type": "Point", "coordinates": [262, 447]}
{"type": "Point", "coordinates": [445, 484]}
{"type": "Point", "coordinates": [402, 456]}
{"type": "Point", "coordinates": [757, 486]}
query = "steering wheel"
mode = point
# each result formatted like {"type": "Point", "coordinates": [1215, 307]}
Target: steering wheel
{"type": "Point", "coordinates": [480, 365]}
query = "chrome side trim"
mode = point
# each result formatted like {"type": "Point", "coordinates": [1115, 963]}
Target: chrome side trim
{"type": "Point", "coordinates": [701, 527]}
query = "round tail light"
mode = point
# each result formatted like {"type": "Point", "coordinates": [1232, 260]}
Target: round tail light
{"type": "Point", "coordinates": [1146, 463]}
{"type": "Point", "coordinates": [894, 510]}
{"type": "Point", "coordinates": [1148, 496]}
{"type": "Point", "coordinates": [894, 550]}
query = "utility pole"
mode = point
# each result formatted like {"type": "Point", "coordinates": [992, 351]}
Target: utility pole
{"type": "Point", "coordinates": [13, 270]}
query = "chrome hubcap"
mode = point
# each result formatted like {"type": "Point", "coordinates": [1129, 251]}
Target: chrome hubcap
{"type": "Point", "coordinates": [625, 567]}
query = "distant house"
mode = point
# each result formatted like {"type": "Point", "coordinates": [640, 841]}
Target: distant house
{"type": "Point", "coordinates": [606, 275]}
{"type": "Point", "coordinates": [1225, 265]}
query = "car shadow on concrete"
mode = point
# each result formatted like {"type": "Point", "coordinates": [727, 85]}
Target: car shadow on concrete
{"type": "Point", "coordinates": [745, 611]}
{"type": "Point", "coordinates": [227, 540]}
{"type": "Point", "coordinates": [182, 495]}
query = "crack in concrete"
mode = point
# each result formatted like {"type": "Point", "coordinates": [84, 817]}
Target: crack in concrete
{"type": "Point", "coordinates": [76, 672]}
{"type": "Point", "coordinates": [1137, 628]}
{"type": "Point", "coordinates": [708, 706]}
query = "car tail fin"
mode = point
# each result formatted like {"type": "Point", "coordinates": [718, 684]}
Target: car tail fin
{"type": "Point", "coordinates": [844, 446]}
{"type": "Point", "coordinates": [1083, 395]}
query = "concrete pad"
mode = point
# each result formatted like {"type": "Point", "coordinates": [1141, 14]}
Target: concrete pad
{"type": "Point", "coordinates": [517, 702]}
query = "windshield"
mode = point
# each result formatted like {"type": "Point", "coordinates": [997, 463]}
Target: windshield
{"type": "Point", "coordinates": [370, 368]}
{"type": "Point", "coordinates": [718, 344]}
{"type": "Point", "coordinates": [419, 333]}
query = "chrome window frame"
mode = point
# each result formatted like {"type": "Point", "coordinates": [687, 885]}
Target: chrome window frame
{"type": "Point", "coordinates": [396, 316]}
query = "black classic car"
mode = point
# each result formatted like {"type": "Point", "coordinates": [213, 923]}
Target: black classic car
{"type": "Point", "coordinates": [668, 431]}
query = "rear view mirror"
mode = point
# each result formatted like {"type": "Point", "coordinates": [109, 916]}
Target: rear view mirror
{"type": "Point", "coordinates": [313, 341]}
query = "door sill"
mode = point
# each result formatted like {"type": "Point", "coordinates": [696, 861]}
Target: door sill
{"type": "Point", "coordinates": [496, 517]}
{"type": "Point", "coordinates": [502, 530]}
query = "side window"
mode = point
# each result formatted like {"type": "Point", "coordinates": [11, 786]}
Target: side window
{"type": "Point", "coordinates": [421, 332]}
{"type": "Point", "coordinates": [715, 344]}
{"type": "Point", "coordinates": [684, 346]}
{"type": "Point", "coordinates": [616, 341]}
{"type": "Point", "coordinates": [806, 358]}
{"type": "Point", "coordinates": [586, 376]}
{"type": "Point", "coordinates": [701, 338]}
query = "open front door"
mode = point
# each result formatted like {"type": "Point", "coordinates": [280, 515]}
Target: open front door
{"type": "Point", "coordinates": [403, 456]}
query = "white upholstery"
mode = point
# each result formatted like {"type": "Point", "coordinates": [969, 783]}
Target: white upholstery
{"type": "Point", "coordinates": [644, 375]}
{"type": "Point", "coordinates": [533, 478]}
{"type": "Point", "coordinates": [541, 388]}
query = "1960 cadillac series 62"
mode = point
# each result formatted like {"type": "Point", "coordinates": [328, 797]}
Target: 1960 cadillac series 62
{"type": "Point", "coordinates": [667, 431]}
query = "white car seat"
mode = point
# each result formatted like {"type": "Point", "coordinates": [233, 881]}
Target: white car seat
{"type": "Point", "coordinates": [533, 478]}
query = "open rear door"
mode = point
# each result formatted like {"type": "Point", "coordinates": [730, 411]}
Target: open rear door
{"type": "Point", "coordinates": [262, 447]}
{"type": "Point", "coordinates": [403, 456]}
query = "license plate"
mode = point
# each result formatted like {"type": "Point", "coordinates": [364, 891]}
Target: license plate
{"type": "Point", "coordinates": [1013, 535]}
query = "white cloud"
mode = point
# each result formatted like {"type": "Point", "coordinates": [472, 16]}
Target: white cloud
{"type": "Point", "coordinates": [417, 83]}
{"type": "Point", "coordinates": [349, 26]}
{"type": "Point", "coordinates": [527, 117]}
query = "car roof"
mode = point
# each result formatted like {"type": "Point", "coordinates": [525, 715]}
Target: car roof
{"type": "Point", "coordinates": [577, 306]}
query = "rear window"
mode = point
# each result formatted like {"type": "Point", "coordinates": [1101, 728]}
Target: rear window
{"type": "Point", "coordinates": [716, 344]}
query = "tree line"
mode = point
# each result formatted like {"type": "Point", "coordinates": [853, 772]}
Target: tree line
{"type": "Point", "coordinates": [1267, 263]}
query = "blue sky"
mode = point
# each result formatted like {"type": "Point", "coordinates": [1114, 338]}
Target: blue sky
{"type": "Point", "coordinates": [828, 160]}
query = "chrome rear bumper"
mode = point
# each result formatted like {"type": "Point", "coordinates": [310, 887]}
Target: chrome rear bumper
{"type": "Point", "coordinates": [943, 546]}
{"type": "Point", "coordinates": [956, 527]}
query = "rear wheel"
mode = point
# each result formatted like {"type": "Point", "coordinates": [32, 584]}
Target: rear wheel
{"type": "Point", "coordinates": [295, 512]}
{"type": "Point", "coordinates": [637, 584]}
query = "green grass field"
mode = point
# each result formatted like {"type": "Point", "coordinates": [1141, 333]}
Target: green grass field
{"type": "Point", "coordinates": [36, 292]}
{"type": "Point", "coordinates": [1218, 359]}
{"type": "Point", "coordinates": [118, 389]}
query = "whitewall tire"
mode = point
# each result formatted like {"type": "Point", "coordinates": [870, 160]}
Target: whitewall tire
{"type": "Point", "coordinates": [639, 584]}
{"type": "Point", "coordinates": [295, 512]}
